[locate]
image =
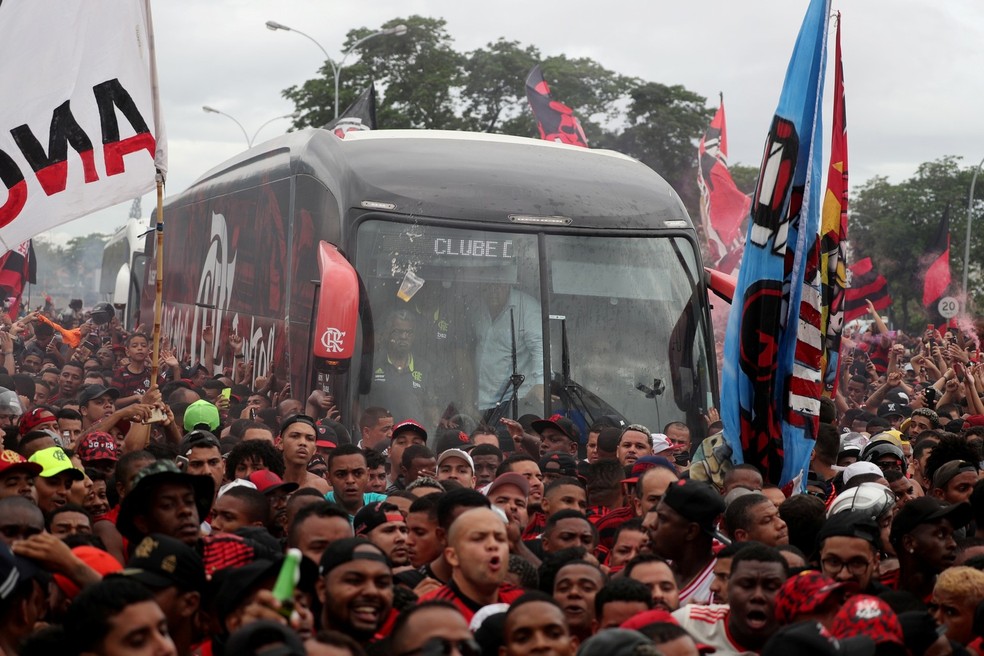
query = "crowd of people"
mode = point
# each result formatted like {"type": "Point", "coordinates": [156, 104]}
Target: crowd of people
{"type": "Point", "coordinates": [216, 514]}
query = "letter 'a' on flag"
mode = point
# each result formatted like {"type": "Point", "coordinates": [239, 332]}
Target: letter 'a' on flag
{"type": "Point", "coordinates": [555, 120]}
{"type": "Point", "coordinates": [833, 230]}
{"type": "Point", "coordinates": [722, 205]}
{"type": "Point", "coordinates": [936, 263]}
{"type": "Point", "coordinates": [83, 130]}
{"type": "Point", "coordinates": [770, 389]}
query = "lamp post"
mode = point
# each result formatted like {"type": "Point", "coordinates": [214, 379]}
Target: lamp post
{"type": "Point", "coordinates": [336, 69]}
{"type": "Point", "coordinates": [970, 216]}
{"type": "Point", "coordinates": [249, 142]}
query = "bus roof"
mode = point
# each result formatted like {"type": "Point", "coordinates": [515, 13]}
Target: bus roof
{"type": "Point", "coordinates": [460, 175]}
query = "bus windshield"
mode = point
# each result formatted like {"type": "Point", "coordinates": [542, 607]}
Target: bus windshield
{"type": "Point", "coordinates": [468, 326]}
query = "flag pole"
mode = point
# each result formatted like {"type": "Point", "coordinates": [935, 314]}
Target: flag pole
{"type": "Point", "coordinates": [155, 361]}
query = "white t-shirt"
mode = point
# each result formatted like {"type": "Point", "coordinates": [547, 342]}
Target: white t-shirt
{"type": "Point", "coordinates": [698, 591]}
{"type": "Point", "coordinates": [709, 625]}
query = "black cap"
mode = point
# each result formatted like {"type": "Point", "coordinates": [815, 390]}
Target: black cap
{"type": "Point", "coordinates": [920, 630]}
{"type": "Point", "coordinates": [304, 419]}
{"type": "Point", "coordinates": [893, 409]}
{"type": "Point", "coordinates": [558, 463]}
{"type": "Point", "coordinates": [234, 584]}
{"type": "Point", "coordinates": [451, 438]}
{"type": "Point", "coordinates": [346, 550]}
{"type": "Point", "coordinates": [13, 570]}
{"type": "Point", "coordinates": [812, 639]}
{"type": "Point", "coordinates": [695, 501]}
{"type": "Point", "coordinates": [375, 514]}
{"type": "Point", "coordinates": [851, 524]}
{"type": "Point", "coordinates": [927, 510]}
{"type": "Point", "coordinates": [561, 423]}
{"type": "Point", "coordinates": [198, 439]}
{"type": "Point", "coordinates": [265, 637]}
{"type": "Point", "coordinates": [92, 392]}
{"type": "Point", "coordinates": [160, 561]}
{"type": "Point", "coordinates": [613, 642]}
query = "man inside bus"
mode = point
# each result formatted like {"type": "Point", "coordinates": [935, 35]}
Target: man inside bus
{"type": "Point", "coordinates": [398, 382]}
{"type": "Point", "coordinates": [507, 311]}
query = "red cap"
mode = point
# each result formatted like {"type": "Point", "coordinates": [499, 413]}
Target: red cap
{"type": "Point", "coordinates": [266, 481]}
{"type": "Point", "coordinates": [869, 616]}
{"type": "Point", "coordinates": [97, 559]}
{"type": "Point", "coordinates": [649, 617]}
{"type": "Point", "coordinates": [803, 594]}
{"type": "Point", "coordinates": [12, 460]}
{"type": "Point", "coordinates": [97, 445]}
{"type": "Point", "coordinates": [35, 418]}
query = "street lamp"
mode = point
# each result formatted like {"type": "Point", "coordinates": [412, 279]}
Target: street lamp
{"type": "Point", "coordinates": [970, 216]}
{"type": "Point", "coordinates": [249, 142]}
{"type": "Point", "coordinates": [336, 69]}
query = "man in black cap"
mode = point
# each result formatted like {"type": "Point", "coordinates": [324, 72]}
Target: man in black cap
{"type": "Point", "coordinates": [558, 433]}
{"type": "Point", "coordinates": [355, 588]}
{"type": "Point", "coordinates": [163, 499]}
{"type": "Point", "coordinates": [407, 433]}
{"type": "Point", "coordinates": [22, 599]}
{"type": "Point", "coordinates": [200, 455]}
{"type": "Point", "coordinates": [813, 639]}
{"type": "Point", "coordinates": [681, 529]}
{"type": "Point", "coordinates": [922, 534]}
{"type": "Point", "coordinates": [383, 524]}
{"type": "Point", "coordinates": [850, 544]}
{"type": "Point", "coordinates": [175, 574]}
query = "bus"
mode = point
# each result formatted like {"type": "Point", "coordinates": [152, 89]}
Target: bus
{"type": "Point", "coordinates": [122, 272]}
{"type": "Point", "coordinates": [450, 277]}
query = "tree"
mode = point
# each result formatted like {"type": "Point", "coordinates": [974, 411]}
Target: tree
{"type": "Point", "coordinates": [894, 224]}
{"type": "Point", "coordinates": [494, 91]}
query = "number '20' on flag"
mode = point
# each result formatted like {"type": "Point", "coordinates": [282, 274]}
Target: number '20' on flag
{"type": "Point", "coordinates": [80, 121]}
{"type": "Point", "coordinates": [771, 384]}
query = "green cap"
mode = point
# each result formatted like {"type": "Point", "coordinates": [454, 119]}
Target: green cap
{"type": "Point", "coordinates": [54, 461]}
{"type": "Point", "coordinates": [201, 412]}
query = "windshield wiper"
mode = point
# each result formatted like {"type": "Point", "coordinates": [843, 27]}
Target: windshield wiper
{"type": "Point", "coordinates": [512, 383]}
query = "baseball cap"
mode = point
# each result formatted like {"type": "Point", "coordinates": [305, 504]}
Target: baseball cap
{"type": "Point", "coordinates": [93, 392]}
{"type": "Point", "coordinates": [509, 478]}
{"type": "Point", "coordinates": [893, 409]}
{"type": "Point", "coordinates": [613, 642]}
{"type": "Point", "coordinates": [99, 560]}
{"type": "Point", "coordinates": [645, 463]}
{"type": "Point", "coordinates": [373, 515]}
{"type": "Point", "coordinates": [409, 425]}
{"type": "Point", "coordinates": [198, 439]}
{"type": "Point", "coordinates": [326, 437]}
{"type": "Point", "coordinates": [13, 570]}
{"type": "Point", "coordinates": [661, 443]}
{"type": "Point", "coordinates": [927, 510]}
{"type": "Point", "coordinates": [233, 585]}
{"type": "Point", "coordinates": [265, 637]}
{"type": "Point", "coordinates": [558, 463]}
{"type": "Point", "coordinates": [813, 639]}
{"type": "Point", "coordinates": [160, 561]}
{"type": "Point", "coordinates": [561, 423]}
{"type": "Point", "coordinates": [145, 484]}
{"type": "Point", "coordinates": [267, 482]}
{"type": "Point", "coordinates": [97, 446]}
{"type": "Point", "coordinates": [656, 615]}
{"type": "Point", "coordinates": [54, 461]}
{"type": "Point", "coordinates": [452, 439]}
{"type": "Point", "coordinates": [201, 412]}
{"type": "Point", "coordinates": [236, 482]}
{"type": "Point", "coordinates": [11, 460]}
{"type": "Point", "coordinates": [868, 616]}
{"type": "Point", "coordinates": [803, 593]}
{"type": "Point", "coordinates": [455, 453]}
{"type": "Point", "coordinates": [860, 467]}
{"type": "Point", "coordinates": [35, 418]}
{"type": "Point", "coordinates": [949, 470]}
{"type": "Point", "coordinates": [695, 501]}
{"type": "Point", "coordinates": [346, 550]}
{"type": "Point", "coordinates": [851, 524]}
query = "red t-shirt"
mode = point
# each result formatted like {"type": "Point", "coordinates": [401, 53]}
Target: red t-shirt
{"type": "Point", "coordinates": [468, 607]}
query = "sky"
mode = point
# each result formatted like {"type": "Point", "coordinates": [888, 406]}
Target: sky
{"type": "Point", "coordinates": [913, 68]}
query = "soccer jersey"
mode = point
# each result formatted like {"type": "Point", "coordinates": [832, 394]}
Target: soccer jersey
{"type": "Point", "coordinates": [468, 607]}
{"type": "Point", "coordinates": [698, 590]}
{"type": "Point", "coordinates": [709, 625]}
{"type": "Point", "coordinates": [608, 524]}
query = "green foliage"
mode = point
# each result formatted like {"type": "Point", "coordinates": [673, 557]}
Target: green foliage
{"type": "Point", "coordinates": [423, 82]}
{"type": "Point", "coordinates": [894, 224]}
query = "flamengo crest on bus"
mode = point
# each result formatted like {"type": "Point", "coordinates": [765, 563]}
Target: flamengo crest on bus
{"type": "Point", "coordinates": [331, 339]}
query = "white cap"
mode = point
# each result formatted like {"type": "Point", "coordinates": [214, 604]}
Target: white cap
{"type": "Point", "coordinates": [455, 453]}
{"type": "Point", "coordinates": [484, 613]}
{"type": "Point", "coordinates": [860, 467]}
{"type": "Point", "coordinates": [239, 482]}
{"type": "Point", "coordinates": [660, 444]}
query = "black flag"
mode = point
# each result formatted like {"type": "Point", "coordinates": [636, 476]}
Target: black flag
{"type": "Point", "coordinates": [360, 115]}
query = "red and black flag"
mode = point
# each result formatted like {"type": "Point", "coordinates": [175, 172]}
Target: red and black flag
{"type": "Point", "coordinates": [17, 268]}
{"type": "Point", "coordinates": [936, 263]}
{"type": "Point", "coordinates": [555, 120]}
{"type": "Point", "coordinates": [360, 115]}
{"type": "Point", "coordinates": [723, 206]}
{"type": "Point", "coordinates": [866, 285]}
